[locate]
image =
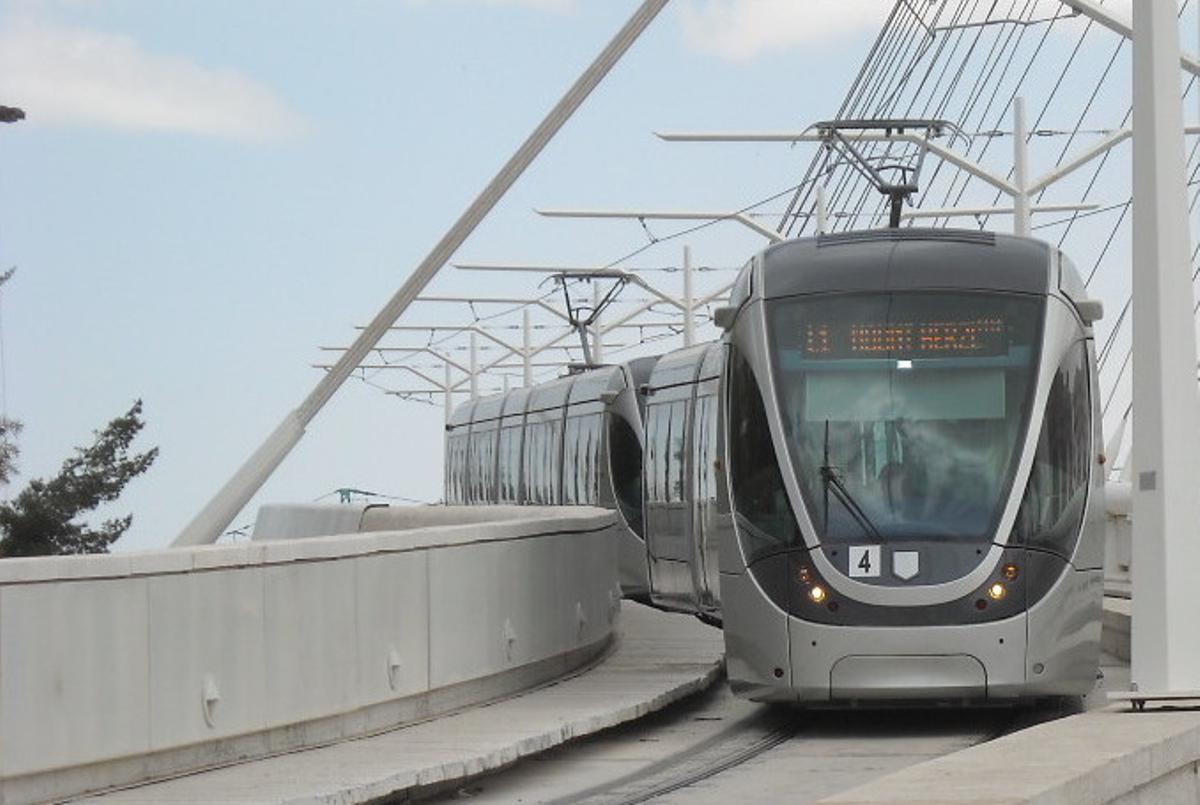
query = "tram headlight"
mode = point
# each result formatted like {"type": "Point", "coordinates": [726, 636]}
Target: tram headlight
{"type": "Point", "coordinates": [1010, 571]}
{"type": "Point", "coordinates": [805, 574]}
{"type": "Point", "coordinates": [997, 591]}
{"type": "Point", "coordinates": [817, 594]}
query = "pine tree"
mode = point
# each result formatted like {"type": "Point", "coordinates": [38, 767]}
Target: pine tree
{"type": "Point", "coordinates": [44, 517]}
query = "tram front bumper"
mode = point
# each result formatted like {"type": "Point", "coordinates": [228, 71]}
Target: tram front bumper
{"type": "Point", "coordinates": [974, 662]}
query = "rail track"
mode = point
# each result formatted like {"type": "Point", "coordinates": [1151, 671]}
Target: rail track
{"type": "Point", "coordinates": [714, 748]}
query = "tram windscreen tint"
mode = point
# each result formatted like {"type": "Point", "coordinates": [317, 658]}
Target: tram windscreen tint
{"type": "Point", "coordinates": [904, 412]}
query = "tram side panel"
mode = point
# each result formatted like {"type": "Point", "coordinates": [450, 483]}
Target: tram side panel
{"type": "Point", "coordinates": [1062, 523]}
{"type": "Point", "coordinates": [758, 657]}
{"type": "Point", "coordinates": [552, 444]}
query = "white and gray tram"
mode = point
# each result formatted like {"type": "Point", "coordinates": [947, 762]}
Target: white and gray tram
{"type": "Point", "coordinates": [884, 479]}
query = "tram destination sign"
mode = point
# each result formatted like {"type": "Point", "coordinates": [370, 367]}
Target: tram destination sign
{"type": "Point", "coordinates": [985, 336]}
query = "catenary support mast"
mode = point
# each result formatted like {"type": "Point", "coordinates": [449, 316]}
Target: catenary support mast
{"type": "Point", "coordinates": [1166, 423]}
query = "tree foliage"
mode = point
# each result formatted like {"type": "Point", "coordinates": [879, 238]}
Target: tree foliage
{"type": "Point", "coordinates": [9, 451]}
{"type": "Point", "coordinates": [44, 517]}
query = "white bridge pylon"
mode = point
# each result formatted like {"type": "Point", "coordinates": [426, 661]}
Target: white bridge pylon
{"type": "Point", "coordinates": [1166, 424]}
{"type": "Point", "coordinates": [220, 511]}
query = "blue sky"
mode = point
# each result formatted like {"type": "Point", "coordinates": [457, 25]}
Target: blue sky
{"type": "Point", "coordinates": [205, 193]}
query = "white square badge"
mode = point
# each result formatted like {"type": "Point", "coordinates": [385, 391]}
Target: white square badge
{"type": "Point", "coordinates": [864, 561]}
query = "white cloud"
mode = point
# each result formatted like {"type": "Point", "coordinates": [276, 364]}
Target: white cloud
{"type": "Point", "coordinates": [739, 30]}
{"type": "Point", "coordinates": [73, 76]}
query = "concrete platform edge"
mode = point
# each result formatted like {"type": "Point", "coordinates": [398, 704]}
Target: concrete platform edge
{"type": "Point", "coordinates": [439, 777]}
{"type": "Point", "coordinates": [1097, 758]}
{"type": "Point", "coordinates": [1111, 756]}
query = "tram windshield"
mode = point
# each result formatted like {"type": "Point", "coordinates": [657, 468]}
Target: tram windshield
{"type": "Point", "coordinates": [904, 412]}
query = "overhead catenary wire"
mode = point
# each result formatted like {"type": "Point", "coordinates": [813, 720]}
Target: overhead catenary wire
{"type": "Point", "coordinates": [974, 60]}
{"type": "Point", "coordinates": [967, 61]}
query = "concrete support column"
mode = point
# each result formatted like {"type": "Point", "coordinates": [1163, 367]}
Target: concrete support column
{"type": "Point", "coordinates": [1166, 418]}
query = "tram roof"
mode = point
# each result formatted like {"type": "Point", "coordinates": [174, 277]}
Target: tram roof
{"type": "Point", "coordinates": [587, 386]}
{"type": "Point", "coordinates": [461, 415]}
{"type": "Point", "coordinates": [906, 259]}
{"type": "Point", "coordinates": [591, 384]}
{"type": "Point", "coordinates": [682, 365]}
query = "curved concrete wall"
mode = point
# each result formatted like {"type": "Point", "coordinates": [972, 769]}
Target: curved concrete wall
{"type": "Point", "coordinates": [119, 668]}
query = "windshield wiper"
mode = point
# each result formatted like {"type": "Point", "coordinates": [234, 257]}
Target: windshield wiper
{"type": "Point", "coordinates": [833, 482]}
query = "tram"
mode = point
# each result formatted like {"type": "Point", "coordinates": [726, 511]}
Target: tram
{"type": "Point", "coordinates": [883, 480]}
{"type": "Point", "coordinates": [576, 440]}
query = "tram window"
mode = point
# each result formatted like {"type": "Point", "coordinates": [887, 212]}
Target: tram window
{"type": "Point", "coordinates": [474, 468]}
{"type": "Point", "coordinates": [666, 434]}
{"type": "Point", "coordinates": [903, 412]}
{"type": "Point", "coordinates": [534, 461]}
{"type": "Point", "coordinates": [658, 431]}
{"type": "Point", "coordinates": [552, 480]}
{"type": "Point", "coordinates": [460, 469]}
{"type": "Point", "coordinates": [542, 468]}
{"type": "Point", "coordinates": [478, 458]}
{"type": "Point", "coordinates": [482, 458]}
{"type": "Point", "coordinates": [543, 464]}
{"type": "Point", "coordinates": [455, 468]}
{"type": "Point", "coordinates": [570, 460]}
{"type": "Point", "coordinates": [706, 439]}
{"type": "Point", "coordinates": [556, 437]}
{"type": "Point", "coordinates": [459, 473]}
{"type": "Point", "coordinates": [577, 460]}
{"type": "Point", "coordinates": [759, 497]}
{"type": "Point", "coordinates": [587, 460]}
{"type": "Point", "coordinates": [510, 464]}
{"type": "Point", "coordinates": [592, 457]}
{"type": "Point", "coordinates": [1052, 507]}
{"type": "Point", "coordinates": [677, 451]}
{"type": "Point", "coordinates": [625, 457]}
{"type": "Point", "coordinates": [653, 463]}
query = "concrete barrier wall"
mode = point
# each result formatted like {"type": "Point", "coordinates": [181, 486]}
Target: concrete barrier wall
{"type": "Point", "coordinates": [119, 668]}
{"type": "Point", "coordinates": [303, 520]}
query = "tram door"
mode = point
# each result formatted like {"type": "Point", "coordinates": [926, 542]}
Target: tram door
{"type": "Point", "coordinates": [668, 499]}
{"type": "Point", "coordinates": [706, 519]}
